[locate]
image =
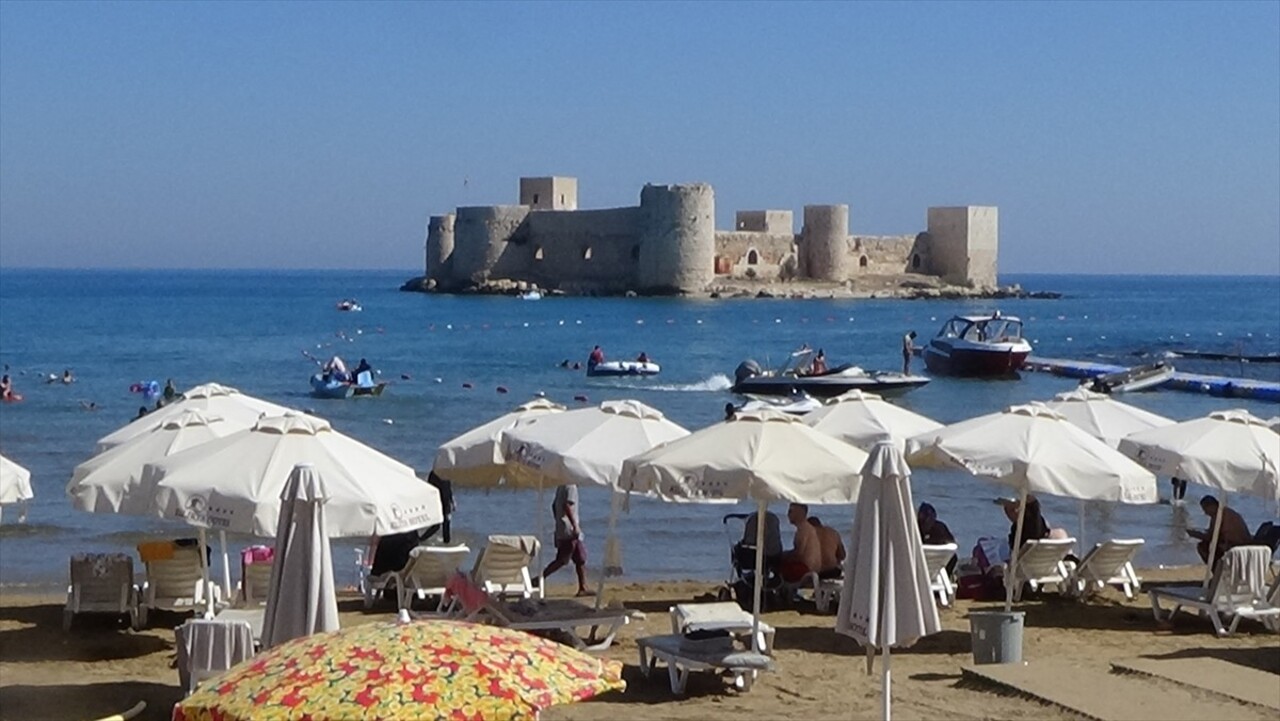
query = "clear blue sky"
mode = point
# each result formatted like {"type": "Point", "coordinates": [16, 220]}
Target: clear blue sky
{"type": "Point", "coordinates": [1128, 137]}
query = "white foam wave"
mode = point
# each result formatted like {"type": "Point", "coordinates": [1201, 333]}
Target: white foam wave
{"type": "Point", "coordinates": [710, 384]}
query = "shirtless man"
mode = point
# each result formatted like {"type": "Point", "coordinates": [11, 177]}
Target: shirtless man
{"type": "Point", "coordinates": [806, 555]}
{"type": "Point", "coordinates": [832, 547]}
{"type": "Point", "coordinates": [1234, 530]}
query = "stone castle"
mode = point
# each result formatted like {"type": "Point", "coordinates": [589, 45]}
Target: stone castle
{"type": "Point", "coordinates": [669, 244]}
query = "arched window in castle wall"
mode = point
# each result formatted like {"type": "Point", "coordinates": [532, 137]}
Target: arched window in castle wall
{"type": "Point", "coordinates": [862, 262]}
{"type": "Point", "coordinates": [537, 253]}
{"type": "Point", "coordinates": [753, 257]}
{"type": "Point", "coordinates": [586, 253]}
{"type": "Point", "coordinates": [915, 262]}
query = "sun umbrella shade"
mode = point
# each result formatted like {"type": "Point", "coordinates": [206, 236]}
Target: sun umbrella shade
{"type": "Point", "coordinates": [585, 446]}
{"type": "Point", "coordinates": [236, 409]}
{"type": "Point", "coordinates": [1103, 417]}
{"type": "Point", "coordinates": [1230, 450]}
{"type": "Point", "coordinates": [1037, 450]}
{"type": "Point", "coordinates": [15, 482]}
{"type": "Point", "coordinates": [301, 599]}
{"type": "Point", "coordinates": [111, 482]}
{"type": "Point", "coordinates": [885, 601]}
{"type": "Point", "coordinates": [761, 455]}
{"type": "Point", "coordinates": [864, 419]}
{"type": "Point", "coordinates": [234, 483]}
{"type": "Point", "coordinates": [417, 670]}
{"type": "Point", "coordinates": [475, 457]}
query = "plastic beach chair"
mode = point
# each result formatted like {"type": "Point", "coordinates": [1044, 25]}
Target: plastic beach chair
{"type": "Point", "coordinates": [719, 616]}
{"type": "Point", "coordinates": [101, 583]}
{"type": "Point", "coordinates": [936, 559]}
{"type": "Point", "coordinates": [1040, 563]}
{"type": "Point", "coordinates": [1109, 563]}
{"type": "Point", "coordinates": [207, 647]}
{"type": "Point", "coordinates": [503, 566]}
{"type": "Point", "coordinates": [255, 576]}
{"type": "Point", "coordinates": [682, 656]}
{"type": "Point", "coordinates": [428, 572]}
{"type": "Point", "coordinates": [175, 581]}
{"type": "Point", "coordinates": [1237, 590]}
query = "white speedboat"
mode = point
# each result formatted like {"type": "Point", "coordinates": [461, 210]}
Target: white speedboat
{"type": "Point", "coordinates": [531, 295]}
{"type": "Point", "coordinates": [1129, 380]}
{"type": "Point", "coordinates": [350, 305]}
{"type": "Point", "coordinates": [797, 404]}
{"type": "Point", "coordinates": [792, 378]}
{"type": "Point", "coordinates": [977, 345]}
{"type": "Point", "coordinates": [623, 368]}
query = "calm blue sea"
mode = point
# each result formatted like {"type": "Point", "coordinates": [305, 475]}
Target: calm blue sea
{"type": "Point", "coordinates": [251, 329]}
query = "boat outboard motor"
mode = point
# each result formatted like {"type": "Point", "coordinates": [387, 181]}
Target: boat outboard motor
{"type": "Point", "coordinates": [746, 369]}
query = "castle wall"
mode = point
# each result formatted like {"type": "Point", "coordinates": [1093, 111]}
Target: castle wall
{"type": "Point", "coordinates": [734, 248]}
{"type": "Point", "coordinates": [887, 254]}
{"type": "Point", "coordinates": [440, 241]}
{"type": "Point", "coordinates": [824, 249]}
{"type": "Point", "coordinates": [779, 222]}
{"type": "Point", "coordinates": [481, 236]}
{"type": "Point", "coordinates": [964, 244]}
{"type": "Point", "coordinates": [677, 241]}
{"type": "Point", "coordinates": [553, 193]}
{"type": "Point", "coordinates": [583, 248]}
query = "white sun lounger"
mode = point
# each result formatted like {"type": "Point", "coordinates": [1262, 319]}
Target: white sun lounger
{"type": "Point", "coordinates": [254, 583]}
{"type": "Point", "coordinates": [682, 656]}
{"type": "Point", "coordinates": [719, 616]}
{"type": "Point", "coordinates": [101, 583]}
{"type": "Point", "coordinates": [827, 593]}
{"type": "Point", "coordinates": [503, 566]}
{"type": "Point", "coordinates": [176, 583]}
{"type": "Point", "coordinates": [588, 628]}
{"type": "Point", "coordinates": [936, 559]}
{"type": "Point", "coordinates": [1237, 590]}
{"type": "Point", "coordinates": [1109, 563]}
{"type": "Point", "coordinates": [428, 570]}
{"type": "Point", "coordinates": [1041, 563]}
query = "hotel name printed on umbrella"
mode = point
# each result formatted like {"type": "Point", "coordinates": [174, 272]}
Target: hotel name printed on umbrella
{"type": "Point", "coordinates": [198, 512]}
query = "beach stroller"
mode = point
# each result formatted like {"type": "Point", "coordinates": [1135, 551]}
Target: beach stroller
{"type": "Point", "coordinates": [740, 585]}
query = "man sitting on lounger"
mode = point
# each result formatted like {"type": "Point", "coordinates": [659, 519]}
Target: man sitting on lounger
{"type": "Point", "coordinates": [806, 555]}
{"type": "Point", "coordinates": [832, 548]}
{"type": "Point", "coordinates": [935, 533]}
{"type": "Point", "coordinates": [1234, 530]}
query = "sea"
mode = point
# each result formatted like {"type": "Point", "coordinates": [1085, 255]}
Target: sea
{"type": "Point", "coordinates": [453, 362]}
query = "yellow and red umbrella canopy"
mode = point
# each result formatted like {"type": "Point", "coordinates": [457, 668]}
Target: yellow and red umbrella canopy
{"type": "Point", "coordinates": [419, 670]}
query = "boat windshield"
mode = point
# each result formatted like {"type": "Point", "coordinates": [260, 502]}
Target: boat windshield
{"type": "Point", "coordinates": [996, 330]}
{"type": "Point", "coordinates": [800, 362]}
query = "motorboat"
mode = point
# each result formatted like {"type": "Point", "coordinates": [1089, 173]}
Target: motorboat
{"type": "Point", "coordinates": [332, 386]}
{"type": "Point", "coordinates": [795, 376]}
{"type": "Point", "coordinates": [615, 369]}
{"type": "Point", "coordinates": [1137, 378]}
{"type": "Point", "coordinates": [796, 404]}
{"type": "Point", "coordinates": [531, 295]}
{"type": "Point", "coordinates": [978, 345]}
{"type": "Point", "coordinates": [350, 305]}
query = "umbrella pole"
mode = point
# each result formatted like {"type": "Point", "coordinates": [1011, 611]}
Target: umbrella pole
{"type": "Point", "coordinates": [204, 575]}
{"type": "Point", "coordinates": [887, 695]}
{"type": "Point", "coordinates": [614, 502]}
{"type": "Point", "coordinates": [1213, 542]}
{"type": "Point", "coordinates": [537, 553]}
{"type": "Point", "coordinates": [1012, 571]}
{"type": "Point", "coordinates": [226, 566]}
{"type": "Point", "coordinates": [759, 584]}
{"type": "Point", "coordinates": [1083, 545]}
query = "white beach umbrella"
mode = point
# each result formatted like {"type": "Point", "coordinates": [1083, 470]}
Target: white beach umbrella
{"type": "Point", "coordinates": [301, 599]}
{"type": "Point", "coordinates": [234, 483]}
{"type": "Point", "coordinates": [15, 483]}
{"type": "Point", "coordinates": [1103, 417]}
{"type": "Point", "coordinates": [1035, 450]}
{"type": "Point", "coordinates": [758, 455]}
{"type": "Point", "coordinates": [1230, 450]}
{"type": "Point", "coordinates": [1274, 423]}
{"type": "Point", "coordinates": [111, 481]}
{"type": "Point", "coordinates": [864, 419]}
{"type": "Point", "coordinates": [475, 457]}
{"type": "Point", "coordinates": [236, 409]}
{"type": "Point", "coordinates": [585, 447]}
{"type": "Point", "coordinates": [886, 600]}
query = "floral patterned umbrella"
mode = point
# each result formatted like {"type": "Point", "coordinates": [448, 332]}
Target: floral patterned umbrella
{"type": "Point", "coordinates": [417, 670]}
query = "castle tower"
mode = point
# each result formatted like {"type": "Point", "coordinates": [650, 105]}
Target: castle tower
{"type": "Point", "coordinates": [554, 193]}
{"type": "Point", "coordinates": [480, 236]}
{"type": "Point", "coordinates": [824, 242]}
{"type": "Point", "coordinates": [677, 245]}
{"type": "Point", "coordinates": [439, 247]}
{"type": "Point", "coordinates": [963, 244]}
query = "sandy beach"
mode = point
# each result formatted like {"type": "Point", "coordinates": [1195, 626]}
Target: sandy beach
{"type": "Point", "coordinates": [102, 667]}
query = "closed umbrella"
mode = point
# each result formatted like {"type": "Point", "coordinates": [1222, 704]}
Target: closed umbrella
{"type": "Point", "coordinates": [475, 457]}
{"type": "Point", "coordinates": [886, 601]}
{"type": "Point", "coordinates": [1233, 451]}
{"type": "Point", "coordinates": [864, 419]}
{"type": "Point", "coordinates": [236, 409]}
{"type": "Point", "coordinates": [1035, 450]}
{"type": "Point", "coordinates": [586, 447]}
{"type": "Point", "coordinates": [1104, 417]}
{"type": "Point", "coordinates": [758, 455]}
{"type": "Point", "coordinates": [301, 599]}
{"type": "Point", "coordinates": [15, 483]}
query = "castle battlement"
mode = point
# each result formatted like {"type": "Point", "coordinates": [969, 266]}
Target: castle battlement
{"type": "Point", "coordinates": [668, 244]}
